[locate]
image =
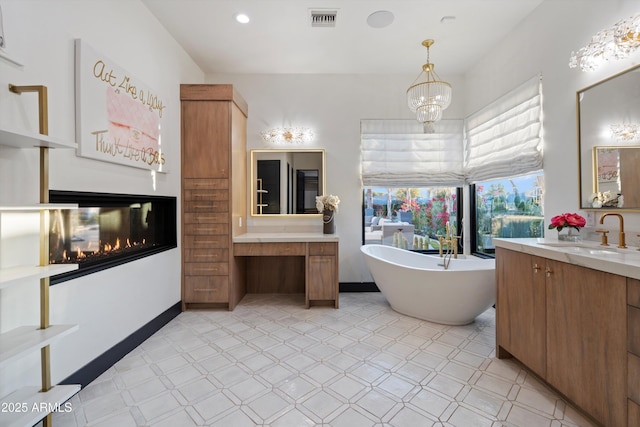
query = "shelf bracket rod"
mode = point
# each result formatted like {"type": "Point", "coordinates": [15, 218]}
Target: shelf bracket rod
{"type": "Point", "coordinates": [43, 109]}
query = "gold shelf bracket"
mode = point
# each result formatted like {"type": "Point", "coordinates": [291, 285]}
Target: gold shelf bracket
{"type": "Point", "coordinates": [43, 110]}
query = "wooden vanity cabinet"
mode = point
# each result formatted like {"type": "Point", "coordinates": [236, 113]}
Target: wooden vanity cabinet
{"type": "Point", "coordinates": [213, 159]}
{"type": "Point", "coordinates": [584, 329]}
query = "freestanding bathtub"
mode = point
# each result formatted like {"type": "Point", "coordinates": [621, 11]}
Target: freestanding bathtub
{"type": "Point", "coordinates": [416, 285]}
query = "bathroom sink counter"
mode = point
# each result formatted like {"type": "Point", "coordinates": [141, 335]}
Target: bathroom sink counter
{"type": "Point", "coordinates": [609, 259]}
{"type": "Point", "coordinates": [284, 237]}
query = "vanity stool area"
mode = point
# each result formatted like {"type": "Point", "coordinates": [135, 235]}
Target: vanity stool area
{"type": "Point", "coordinates": [571, 314]}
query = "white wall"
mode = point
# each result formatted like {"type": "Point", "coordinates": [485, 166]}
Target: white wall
{"type": "Point", "coordinates": [111, 304]}
{"type": "Point", "coordinates": [333, 106]}
{"type": "Point", "coordinates": [568, 25]}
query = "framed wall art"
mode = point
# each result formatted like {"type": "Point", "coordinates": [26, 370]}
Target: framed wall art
{"type": "Point", "coordinates": [118, 118]}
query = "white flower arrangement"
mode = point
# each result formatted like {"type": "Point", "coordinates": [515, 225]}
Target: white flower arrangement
{"type": "Point", "coordinates": [606, 199]}
{"type": "Point", "coordinates": [327, 201]}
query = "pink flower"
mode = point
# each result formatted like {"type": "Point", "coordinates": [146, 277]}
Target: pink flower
{"type": "Point", "coordinates": [572, 220]}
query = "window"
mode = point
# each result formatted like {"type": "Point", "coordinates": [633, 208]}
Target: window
{"type": "Point", "coordinates": [409, 218]}
{"type": "Point", "coordinates": [507, 208]}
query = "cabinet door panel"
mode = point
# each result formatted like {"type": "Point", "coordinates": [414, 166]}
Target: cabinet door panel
{"type": "Point", "coordinates": [520, 308]}
{"type": "Point", "coordinates": [586, 341]}
{"type": "Point", "coordinates": [322, 278]}
{"type": "Point", "coordinates": [206, 131]}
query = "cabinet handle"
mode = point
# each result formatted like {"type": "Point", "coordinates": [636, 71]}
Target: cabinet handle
{"type": "Point", "coordinates": [536, 267]}
{"type": "Point", "coordinates": [548, 271]}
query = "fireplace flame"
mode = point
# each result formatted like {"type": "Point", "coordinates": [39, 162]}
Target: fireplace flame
{"type": "Point", "coordinates": [80, 254]}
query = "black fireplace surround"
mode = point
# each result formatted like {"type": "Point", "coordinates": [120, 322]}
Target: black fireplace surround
{"type": "Point", "coordinates": [108, 230]}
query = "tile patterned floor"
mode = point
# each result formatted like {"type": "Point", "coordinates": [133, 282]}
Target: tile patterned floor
{"type": "Point", "coordinates": [271, 362]}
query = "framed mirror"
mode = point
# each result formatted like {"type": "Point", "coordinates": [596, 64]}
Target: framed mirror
{"type": "Point", "coordinates": [286, 182]}
{"type": "Point", "coordinates": [609, 159]}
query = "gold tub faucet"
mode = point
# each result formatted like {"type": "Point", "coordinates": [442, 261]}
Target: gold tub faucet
{"type": "Point", "coordinates": [621, 241]}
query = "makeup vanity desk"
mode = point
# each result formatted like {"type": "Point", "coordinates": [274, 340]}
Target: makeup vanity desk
{"type": "Point", "coordinates": [291, 263]}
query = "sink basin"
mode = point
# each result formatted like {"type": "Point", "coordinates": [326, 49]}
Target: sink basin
{"type": "Point", "coordinates": [586, 249]}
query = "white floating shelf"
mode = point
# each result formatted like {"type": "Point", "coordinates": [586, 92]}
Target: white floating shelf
{"type": "Point", "coordinates": [37, 404]}
{"type": "Point", "coordinates": [10, 59]}
{"type": "Point", "coordinates": [25, 139]}
{"type": "Point", "coordinates": [26, 339]}
{"type": "Point", "coordinates": [38, 207]}
{"type": "Point", "coordinates": [14, 275]}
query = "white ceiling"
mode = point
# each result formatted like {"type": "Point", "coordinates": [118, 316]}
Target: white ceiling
{"type": "Point", "coordinates": [279, 38]}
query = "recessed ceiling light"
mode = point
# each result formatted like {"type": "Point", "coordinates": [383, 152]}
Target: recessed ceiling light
{"type": "Point", "coordinates": [242, 18]}
{"type": "Point", "coordinates": [380, 19]}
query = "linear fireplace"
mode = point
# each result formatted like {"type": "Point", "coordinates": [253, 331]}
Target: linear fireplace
{"type": "Point", "coordinates": [108, 230]}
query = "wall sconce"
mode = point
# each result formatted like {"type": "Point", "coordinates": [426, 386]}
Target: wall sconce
{"type": "Point", "coordinates": [287, 135]}
{"type": "Point", "coordinates": [625, 131]}
{"type": "Point", "coordinates": [616, 42]}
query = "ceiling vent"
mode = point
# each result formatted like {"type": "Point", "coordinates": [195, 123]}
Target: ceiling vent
{"type": "Point", "coordinates": [323, 18]}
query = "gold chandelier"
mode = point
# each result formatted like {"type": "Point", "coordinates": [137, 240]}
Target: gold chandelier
{"type": "Point", "coordinates": [428, 96]}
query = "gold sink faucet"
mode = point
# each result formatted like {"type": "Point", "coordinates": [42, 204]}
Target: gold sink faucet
{"type": "Point", "coordinates": [621, 242]}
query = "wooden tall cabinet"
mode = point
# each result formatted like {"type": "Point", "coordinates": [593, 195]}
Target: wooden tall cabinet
{"type": "Point", "coordinates": [213, 152]}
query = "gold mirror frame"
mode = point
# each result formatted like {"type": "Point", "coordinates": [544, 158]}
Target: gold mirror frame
{"type": "Point", "coordinates": [253, 188]}
{"type": "Point", "coordinates": [590, 139]}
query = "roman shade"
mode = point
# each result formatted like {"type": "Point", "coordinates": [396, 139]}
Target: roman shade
{"type": "Point", "coordinates": [397, 153]}
{"type": "Point", "coordinates": [504, 138]}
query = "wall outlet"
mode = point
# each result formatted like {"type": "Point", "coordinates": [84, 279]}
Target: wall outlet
{"type": "Point", "coordinates": [591, 219]}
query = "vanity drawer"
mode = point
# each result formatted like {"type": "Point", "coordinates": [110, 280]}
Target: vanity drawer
{"type": "Point", "coordinates": [323, 248]}
{"type": "Point", "coordinates": [206, 255]}
{"type": "Point", "coordinates": [206, 184]}
{"type": "Point", "coordinates": [633, 292]}
{"type": "Point", "coordinates": [633, 328]}
{"type": "Point", "coordinates": [206, 289]}
{"type": "Point", "coordinates": [206, 268]}
{"type": "Point", "coordinates": [195, 195]}
{"type": "Point", "coordinates": [206, 206]}
{"type": "Point", "coordinates": [206, 229]}
{"type": "Point", "coordinates": [199, 241]}
{"type": "Point", "coordinates": [206, 218]}
{"type": "Point", "coordinates": [269, 249]}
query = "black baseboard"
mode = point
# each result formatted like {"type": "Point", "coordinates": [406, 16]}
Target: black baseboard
{"type": "Point", "coordinates": [100, 364]}
{"type": "Point", "coordinates": [358, 287]}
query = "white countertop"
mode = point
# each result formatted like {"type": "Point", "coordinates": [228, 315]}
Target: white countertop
{"type": "Point", "coordinates": [284, 237]}
{"type": "Point", "coordinates": [610, 259]}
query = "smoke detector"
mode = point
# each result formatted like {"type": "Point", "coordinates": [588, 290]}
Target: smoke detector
{"type": "Point", "coordinates": [323, 17]}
